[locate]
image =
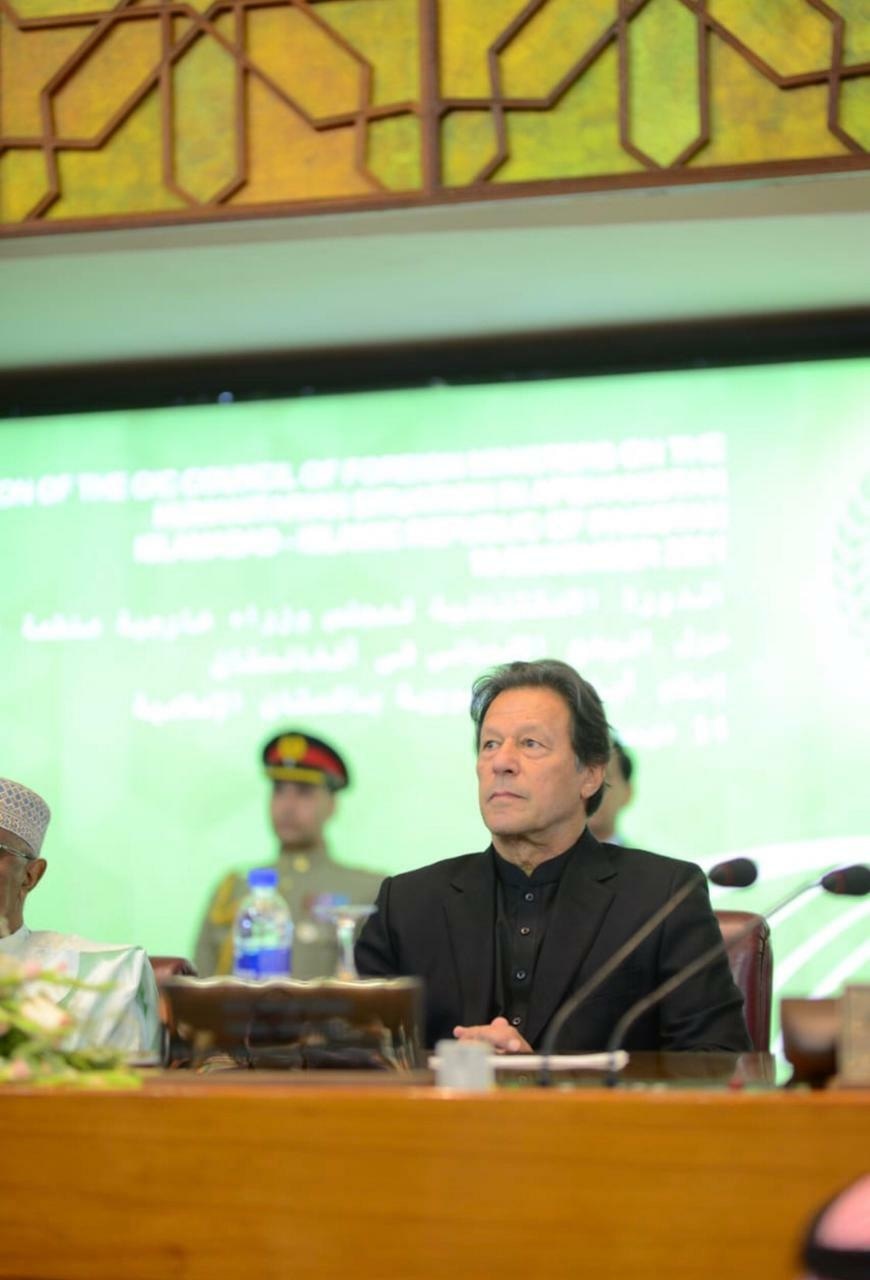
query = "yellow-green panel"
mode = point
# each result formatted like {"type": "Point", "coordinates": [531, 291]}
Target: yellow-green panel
{"type": "Point", "coordinates": [288, 160]}
{"type": "Point", "coordinates": [393, 152]}
{"type": "Point", "coordinates": [466, 29]}
{"type": "Point", "coordinates": [855, 109]}
{"type": "Point", "coordinates": [181, 26]}
{"type": "Point", "coordinates": [305, 61]}
{"type": "Point", "coordinates": [58, 8]}
{"type": "Point", "coordinates": [551, 43]}
{"type": "Point", "coordinates": [788, 35]}
{"type": "Point", "coordinates": [579, 138]}
{"type": "Point", "coordinates": [225, 25]}
{"type": "Point", "coordinates": [123, 177]}
{"type": "Point", "coordinates": [204, 127]}
{"type": "Point", "coordinates": [104, 80]}
{"type": "Point", "coordinates": [856, 45]}
{"type": "Point", "coordinates": [23, 183]}
{"type": "Point", "coordinates": [468, 142]}
{"type": "Point", "coordinates": [385, 33]}
{"type": "Point", "coordinates": [28, 59]}
{"type": "Point", "coordinates": [663, 69]}
{"type": "Point", "coordinates": [199, 6]}
{"type": "Point", "coordinates": [751, 120]}
{"type": "Point", "coordinates": [300, 49]}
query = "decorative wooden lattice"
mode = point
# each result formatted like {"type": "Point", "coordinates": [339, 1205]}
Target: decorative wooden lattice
{"type": "Point", "coordinates": [156, 110]}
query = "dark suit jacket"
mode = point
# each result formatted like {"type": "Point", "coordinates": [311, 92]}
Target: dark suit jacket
{"type": "Point", "coordinates": [438, 923]}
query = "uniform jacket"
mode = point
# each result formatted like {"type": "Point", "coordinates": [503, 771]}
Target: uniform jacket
{"type": "Point", "coordinates": [303, 882]}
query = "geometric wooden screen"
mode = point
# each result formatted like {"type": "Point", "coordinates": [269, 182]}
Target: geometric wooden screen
{"type": "Point", "coordinates": [139, 111]}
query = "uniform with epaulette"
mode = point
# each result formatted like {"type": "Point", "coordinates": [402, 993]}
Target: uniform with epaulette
{"type": "Point", "coordinates": [308, 877]}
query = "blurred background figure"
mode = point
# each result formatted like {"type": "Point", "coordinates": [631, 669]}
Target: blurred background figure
{"type": "Point", "coordinates": [306, 775]}
{"type": "Point", "coordinates": [837, 1245]}
{"type": "Point", "coordinates": [618, 794]}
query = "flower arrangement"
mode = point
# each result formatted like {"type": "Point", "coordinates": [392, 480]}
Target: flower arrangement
{"type": "Point", "coordinates": [33, 1029]}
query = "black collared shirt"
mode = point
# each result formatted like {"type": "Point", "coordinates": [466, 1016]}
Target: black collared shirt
{"type": "Point", "coordinates": [524, 904]}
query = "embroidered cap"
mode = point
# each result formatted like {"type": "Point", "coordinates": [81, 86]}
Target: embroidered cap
{"type": "Point", "coordinates": [23, 812]}
{"type": "Point", "coordinates": [297, 757]}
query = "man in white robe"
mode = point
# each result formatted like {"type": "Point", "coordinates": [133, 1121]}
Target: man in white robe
{"type": "Point", "coordinates": [123, 1016]}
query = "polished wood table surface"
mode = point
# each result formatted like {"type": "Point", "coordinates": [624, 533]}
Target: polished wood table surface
{"type": "Point", "coordinates": [261, 1176]}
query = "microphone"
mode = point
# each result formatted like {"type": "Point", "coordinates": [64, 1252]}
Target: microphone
{"type": "Point", "coordinates": [737, 873]}
{"type": "Point", "coordinates": [852, 881]}
{"type": "Point", "coordinates": [594, 981]}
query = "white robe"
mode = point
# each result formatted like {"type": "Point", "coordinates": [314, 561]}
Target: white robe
{"type": "Point", "coordinates": [123, 1017]}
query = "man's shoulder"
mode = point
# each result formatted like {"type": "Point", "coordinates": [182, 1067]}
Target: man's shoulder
{"type": "Point", "coordinates": [443, 872]}
{"type": "Point", "coordinates": [48, 940]}
{"type": "Point", "coordinates": [85, 958]}
{"type": "Point", "coordinates": [644, 863]}
{"type": "Point", "coordinates": [231, 885]}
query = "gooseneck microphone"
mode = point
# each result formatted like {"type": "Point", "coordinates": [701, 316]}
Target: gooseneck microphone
{"type": "Point", "coordinates": [851, 881]}
{"type": "Point", "coordinates": [594, 981]}
{"type": "Point", "coordinates": [737, 873]}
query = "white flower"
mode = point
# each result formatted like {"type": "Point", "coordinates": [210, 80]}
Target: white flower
{"type": "Point", "coordinates": [45, 1014]}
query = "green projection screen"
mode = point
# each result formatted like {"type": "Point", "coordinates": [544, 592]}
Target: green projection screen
{"type": "Point", "coordinates": [180, 583]}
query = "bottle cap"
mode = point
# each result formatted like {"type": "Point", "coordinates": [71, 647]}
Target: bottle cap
{"type": "Point", "coordinates": [263, 878]}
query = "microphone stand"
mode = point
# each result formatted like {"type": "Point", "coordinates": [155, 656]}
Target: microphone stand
{"type": "Point", "coordinates": [837, 882]}
{"type": "Point", "coordinates": [600, 975]}
{"type": "Point", "coordinates": [688, 971]}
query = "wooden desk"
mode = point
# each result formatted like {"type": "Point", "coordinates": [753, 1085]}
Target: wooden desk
{"type": "Point", "coordinates": [209, 1177]}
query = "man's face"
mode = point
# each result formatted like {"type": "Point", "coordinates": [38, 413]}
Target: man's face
{"type": "Point", "coordinates": [17, 877]}
{"type": "Point", "coordinates": [299, 812]}
{"type": "Point", "coordinates": [529, 782]}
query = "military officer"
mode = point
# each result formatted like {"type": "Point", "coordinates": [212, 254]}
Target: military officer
{"type": "Point", "coordinates": [306, 775]}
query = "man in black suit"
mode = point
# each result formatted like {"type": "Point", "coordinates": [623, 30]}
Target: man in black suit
{"type": "Point", "coordinates": [502, 938]}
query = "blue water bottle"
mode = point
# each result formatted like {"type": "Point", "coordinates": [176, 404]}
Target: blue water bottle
{"type": "Point", "coordinates": [263, 930]}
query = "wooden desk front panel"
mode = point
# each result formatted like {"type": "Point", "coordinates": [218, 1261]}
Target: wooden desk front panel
{"type": "Point", "coordinates": [222, 1180]}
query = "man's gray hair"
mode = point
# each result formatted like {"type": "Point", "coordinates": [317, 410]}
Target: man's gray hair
{"type": "Point", "coordinates": [590, 733]}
